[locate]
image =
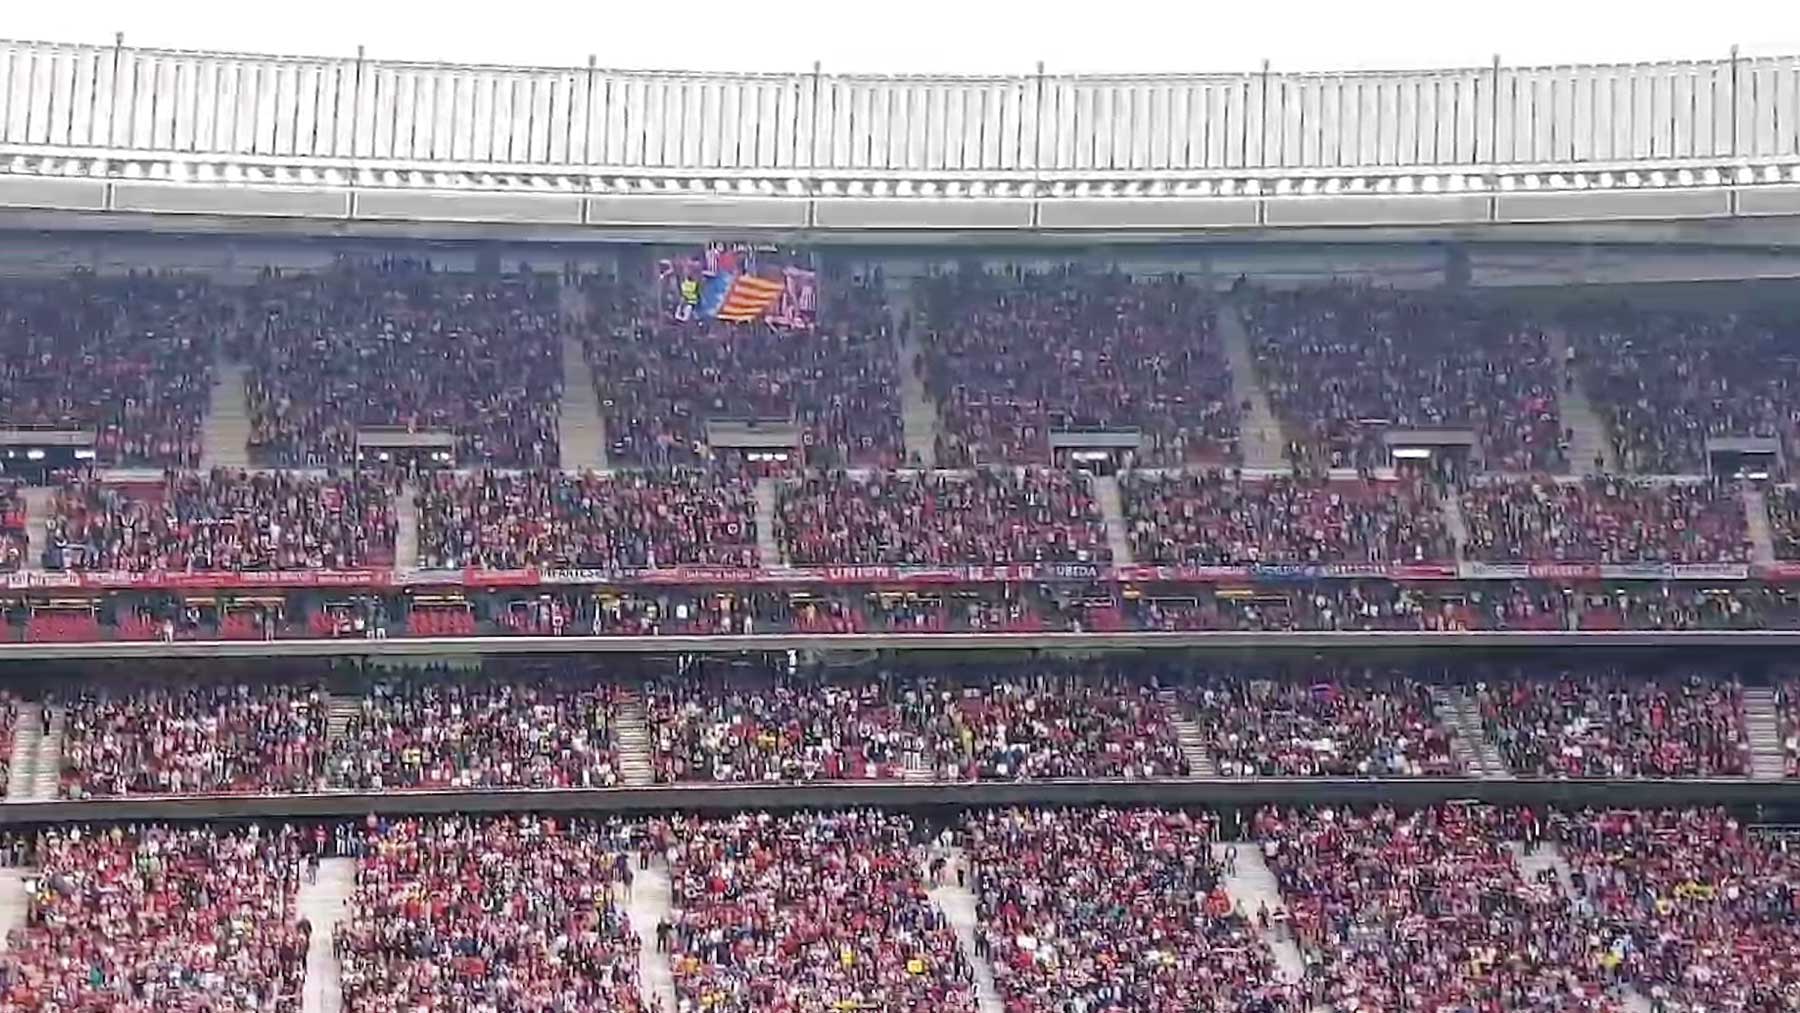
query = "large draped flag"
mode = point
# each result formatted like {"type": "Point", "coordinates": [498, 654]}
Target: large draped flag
{"type": "Point", "coordinates": [749, 298]}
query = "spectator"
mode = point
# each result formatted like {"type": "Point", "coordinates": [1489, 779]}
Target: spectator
{"type": "Point", "coordinates": [1322, 724]}
{"type": "Point", "coordinates": [15, 540]}
{"type": "Point", "coordinates": [1783, 504]}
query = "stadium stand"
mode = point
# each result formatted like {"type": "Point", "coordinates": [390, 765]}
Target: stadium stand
{"type": "Point", "coordinates": [222, 520]}
{"type": "Point", "coordinates": [1321, 722]}
{"type": "Point", "coordinates": [1344, 363]}
{"type": "Point", "coordinates": [1605, 520]}
{"type": "Point", "coordinates": [15, 540]}
{"type": "Point", "coordinates": [1112, 909]}
{"type": "Point", "coordinates": [1211, 519]}
{"type": "Point", "coordinates": [808, 911]}
{"type": "Point", "coordinates": [1012, 355]}
{"type": "Point", "coordinates": [519, 913]}
{"type": "Point", "coordinates": [393, 344]}
{"type": "Point", "coordinates": [1617, 724]}
{"type": "Point", "coordinates": [161, 919]}
{"type": "Point", "coordinates": [988, 516]}
{"type": "Point", "coordinates": [507, 520]}
{"type": "Point", "coordinates": [128, 357]}
{"type": "Point", "coordinates": [1783, 503]}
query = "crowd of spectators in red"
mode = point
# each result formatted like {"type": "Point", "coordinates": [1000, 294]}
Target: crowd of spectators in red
{"type": "Point", "coordinates": [660, 380]}
{"type": "Point", "coordinates": [1212, 519]}
{"type": "Point", "coordinates": [1604, 520]}
{"type": "Point", "coordinates": [1667, 381]}
{"type": "Point", "coordinates": [1607, 724]}
{"type": "Point", "coordinates": [519, 913]}
{"type": "Point", "coordinates": [445, 732]}
{"type": "Point", "coordinates": [808, 912]}
{"type": "Point", "coordinates": [1053, 722]}
{"type": "Point", "coordinates": [1696, 908]}
{"type": "Point", "coordinates": [1322, 723]}
{"type": "Point", "coordinates": [194, 739]}
{"type": "Point", "coordinates": [128, 357]}
{"type": "Point", "coordinates": [1429, 911]}
{"type": "Point", "coordinates": [931, 518]}
{"type": "Point", "coordinates": [161, 919]}
{"type": "Point", "coordinates": [1086, 911]}
{"type": "Point", "coordinates": [629, 519]}
{"type": "Point", "coordinates": [1343, 363]}
{"type": "Point", "coordinates": [222, 520]}
{"type": "Point", "coordinates": [397, 345]}
{"type": "Point", "coordinates": [789, 728]}
{"type": "Point", "coordinates": [1011, 355]}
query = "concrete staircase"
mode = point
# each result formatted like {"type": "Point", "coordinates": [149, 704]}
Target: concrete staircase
{"type": "Point", "coordinates": [1112, 508]}
{"type": "Point", "coordinates": [1192, 741]}
{"type": "Point", "coordinates": [1469, 744]}
{"type": "Point", "coordinates": [22, 763]}
{"type": "Point", "coordinates": [1252, 887]}
{"type": "Point", "coordinates": [339, 711]}
{"type": "Point", "coordinates": [324, 904]}
{"type": "Point", "coordinates": [1546, 857]}
{"type": "Point", "coordinates": [43, 774]}
{"type": "Point", "coordinates": [1587, 434]}
{"type": "Point", "coordinates": [1768, 757]}
{"type": "Point", "coordinates": [225, 434]}
{"type": "Point", "coordinates": [1450, 506]}
{"type": "Point", "coordinates": [1756, 516]}
{"type": "Point", "coordinates": [918, 415]}
{"type": "Point", "coordinates": [1260, 432]}
{"type": "Point", "coordinates": [646, 904]}
{"type": "Point", "coordinates": [40, 504]}
{"type": "Point", "coordinates": [581, 429]}
{"type": "Point", "coordinates": [957, 903]}
{"type": "Point", "coordinates": [768, 550]}
{"type": "Point", "coordinates": [633, 730]}
{"type": "Point", "coordinates": [406, 531]}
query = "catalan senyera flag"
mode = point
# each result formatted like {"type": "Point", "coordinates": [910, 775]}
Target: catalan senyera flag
{"type": "Point", "coordinates": [749, 298]}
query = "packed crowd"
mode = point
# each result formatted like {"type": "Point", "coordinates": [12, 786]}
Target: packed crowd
{"type": "Point", "coordinates": [1695, 908]}
{"type": "Point", "coordinates": [222, 520]}
{"type": "Point", "coordinates": [807, 913]}
{"type": "Point", "coordinates": [395, 345]}
{"type": "Point", "coordinates": [15, 540]}
{"type": "Point", "coordinates": [629, 519]}
{"type": "Point", "coordinates": [525, 914]}
{"type": "Point", "coordinates": [1010, 356]}
{"type": "Point", "coordinates": [1087, 911]}
{"type": "Point", "coordinates": [1783, 503]}
{"type": "Point", "coordinates": [932, 518]}
{"type": "Point", "coordinates": [1324, 723]}
{"type": "Point", "coordinates": [1667, 381]}
{"type": "Point", "coordinates": [1604, 724]}
{"type": "Point", "coordinates": [1212, 519]}
{"type": "Point", "coordinates": [1605, 520]}
{"type": "Point", "coordinates": [661, 380]}
{"type": "Point", "coordinates": [161, 920]}
{"type": "Point", "coordinates": [1429, 911]}
{"type": "Point", "coordinates": [1344, 363]}
{"type": "Point", "coordinates": [784, 728]}
{"type": "Point", "coordinates": [1787, 712]}
{"type": "Point", "coordinates": [446, 732]}
{"type": "Point", "coordinates": [127, 357]}
{"type": "Point", "coordinates": [1053, 722]}
{"type": "Point", "coordinates": [194, 738]}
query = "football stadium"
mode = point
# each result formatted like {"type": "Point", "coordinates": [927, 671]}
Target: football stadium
{"type": "Point", "coordinates": [482, 539]}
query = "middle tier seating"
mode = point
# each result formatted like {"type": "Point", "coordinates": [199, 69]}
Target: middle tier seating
{"type": "Point", "coordinates": [1605, 520]}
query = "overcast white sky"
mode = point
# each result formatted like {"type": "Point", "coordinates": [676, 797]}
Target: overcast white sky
{"type": "Point", "coordinates": [941, 35]}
